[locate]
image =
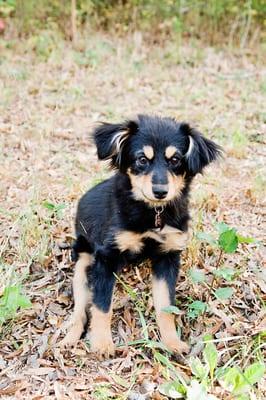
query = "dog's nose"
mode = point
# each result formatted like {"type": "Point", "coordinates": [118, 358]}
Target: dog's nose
{"type": "Point", "coordinates": [160, 191]}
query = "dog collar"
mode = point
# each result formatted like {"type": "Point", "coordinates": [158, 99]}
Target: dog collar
{"type": "Point", "coordinates": [158, 218]}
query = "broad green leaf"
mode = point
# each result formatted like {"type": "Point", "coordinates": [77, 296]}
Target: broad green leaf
{"type": "Point", "coordinates": [11, 300]}
{"type": "Point", "coordinates": [11, 297]}
{"type": "Point", "coordinates": [173, 390]}
{"type": "Point", "coordinates": [172, 310]}
{"type": "Point", "coordinates": [24, 302]}
{"type": "Point", "coordinates": [254, 372]}
{"type": "Point", "coordinates": [223, 293]}
{"type": "Point", "coordinates": [232, 379]}
{"type": "Point", "coordinates": [225, 273]}
{"type": "Point", "coordinates": [196, 308]}
{"type": "Point", "coordinates": [228, 241]}
{"type": "Point", "coordinates": [206, 237]}
{"type": "Point", "coordinates": [207, 337]}
{"type": "Point", "coordinates": [198, 369]}
{"type": "Point", "coordinates": [210, 355]}
{"type": "Point", "coordinates": [238, 383]}
{"type": "Point", "coordinates": [196, 275]}
{"type": "Point", "coordinates": [198, 305]}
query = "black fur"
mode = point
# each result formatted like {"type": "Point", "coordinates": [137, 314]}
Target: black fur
{"type": "Point", "coordinates": [112, 206]}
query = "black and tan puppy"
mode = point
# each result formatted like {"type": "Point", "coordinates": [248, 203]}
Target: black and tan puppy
{"type": "Point", "coordinates": [139, 213]}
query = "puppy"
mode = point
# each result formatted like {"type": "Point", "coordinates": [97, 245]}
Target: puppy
{"type": "Point", "coordinates": [139, 213]}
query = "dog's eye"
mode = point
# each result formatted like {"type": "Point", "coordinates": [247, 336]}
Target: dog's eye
{"type": "Point", "coordinates": [142, 160]}
{"type": "Point", "coordinates": [174, 161]}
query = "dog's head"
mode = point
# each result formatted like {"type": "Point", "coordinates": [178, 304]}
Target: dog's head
{"type": "Point", "coordinates": [158, 155]}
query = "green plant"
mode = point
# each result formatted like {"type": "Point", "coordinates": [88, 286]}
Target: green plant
{"type": "Point", "coordinates": [11, 301]}
{"type": "Point", "coordinates": [55, 209]}
{"type": "Point", "coordinates": [196, 308]}
{"type": "Point", "coordinates": [206, 373]}
{"type": "Point", "coordinates": [226, 241]}
{"type": "Point", "coordinates": [7, 7]}
{"type": "Point", "coordinates": [236, 19]}
{"type": "Point", "coordinates": [239, 382]}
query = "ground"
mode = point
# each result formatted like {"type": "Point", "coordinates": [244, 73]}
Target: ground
{"type": "Point", "coordinates": [49, 102]}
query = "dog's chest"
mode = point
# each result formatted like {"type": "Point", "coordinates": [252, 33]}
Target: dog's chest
{"type": "Point", "coordinates": [168, 239]}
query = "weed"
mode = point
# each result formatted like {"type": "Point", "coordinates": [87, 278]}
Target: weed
{"type": "Point", "coordinates": [11, 301]}
{"type": "Point", "coordinates": [55, 209]}
{"type": "Point", "coordinates": [207, 373]}
{"type": "Point", "coordinates": [227, 242]}
{"type": "Point", "coordinates": [196, 308]}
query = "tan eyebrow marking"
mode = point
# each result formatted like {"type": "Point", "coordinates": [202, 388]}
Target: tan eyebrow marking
{"type": "Point", "coordinates": [149, 152]}
{"type": "Point", "coordinates": [170, 151]}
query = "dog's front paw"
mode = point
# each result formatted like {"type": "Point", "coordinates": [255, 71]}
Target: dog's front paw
{"type": "Point", "coordinates": [103, 346]}
{"type": "Point", "coordinates": [176, 345]}
{"type": "Point", "coordinates": [73, 335]}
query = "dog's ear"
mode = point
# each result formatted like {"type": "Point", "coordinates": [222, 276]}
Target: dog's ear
{"type": "Point", "coordinates": [201, 151]}
{"type": "Point", "coordinates": [110, 140]}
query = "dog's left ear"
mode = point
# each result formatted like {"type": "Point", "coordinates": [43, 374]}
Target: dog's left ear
{"type": "Point", "coordinates": [110, 139]}
{"type": "Point", "coordinates": [201, 151]}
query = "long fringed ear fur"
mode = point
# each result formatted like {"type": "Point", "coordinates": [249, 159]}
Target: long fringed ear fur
{"type": "Point", "coordinates": [201, 151]}
{"type": "Point", "coordinates": [111, 138]}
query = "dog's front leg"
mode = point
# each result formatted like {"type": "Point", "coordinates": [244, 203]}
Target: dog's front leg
{"type": "Point", "coordinates": [103, 281]}
{"type": "Point", "coordinates": [82, 298]}
{"type": "Point", "coordinates": [165, 272]}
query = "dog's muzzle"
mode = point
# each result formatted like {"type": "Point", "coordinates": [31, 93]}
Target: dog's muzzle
{"type": "Point", "coordinates": [160, 191]}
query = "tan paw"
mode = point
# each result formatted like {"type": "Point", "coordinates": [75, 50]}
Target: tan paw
{"type": "Point", "coordinates": [103, 346]}
{"type": "Point", "coordinates": [176, 345]}
{"type": "Point", "coordinates": [72, 337]}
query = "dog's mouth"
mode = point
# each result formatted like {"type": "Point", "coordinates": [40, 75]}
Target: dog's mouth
{"type": "Point", "coordinates": [154, 202]}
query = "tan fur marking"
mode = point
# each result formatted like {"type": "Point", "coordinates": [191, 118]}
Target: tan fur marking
{"type": "Point", "coordinates": [166, 321]}
{"type": "Point", "coordinates": [174, 239]}
{"type": "Point", "coordinates": [127, 240]}
{"type": "Point", "coordinates": [170, 151]}
{"type": "Point", "coordinates": [149, 152]}
{"type": "Point", "coordinates": [82, 296]}
{"type": "Point", "coordinates": [169, 238]}
{"type": "Point", "coordinates": [176, 184]}
{"type": "Point", "coordinates": [100, 334]}
{"type": "Point", "coordinates": [142, 188]}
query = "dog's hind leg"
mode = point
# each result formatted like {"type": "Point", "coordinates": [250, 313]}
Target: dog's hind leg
{"type": "Point", "coordinates": [165, 271]}
{"type": "Point", "coordinates": [82, 297]}
{"type": "Point", "coordinates": [102, 280]}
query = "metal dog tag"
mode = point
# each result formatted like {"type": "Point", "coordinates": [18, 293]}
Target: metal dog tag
{"type": "Point", "coordinates": [158, 217]}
